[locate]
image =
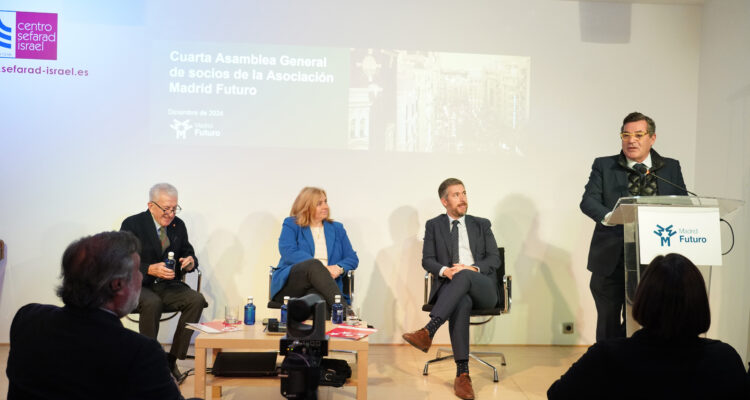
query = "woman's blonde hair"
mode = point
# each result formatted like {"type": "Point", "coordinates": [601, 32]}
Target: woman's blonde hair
{"type": "Point", "coordinates": [305, 205]}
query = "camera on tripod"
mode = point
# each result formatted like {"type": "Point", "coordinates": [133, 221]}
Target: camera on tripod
{"type": "Point", "coordinates": [304, 347]}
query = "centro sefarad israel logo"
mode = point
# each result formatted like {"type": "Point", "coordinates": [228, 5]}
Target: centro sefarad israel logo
{"type": "Point", "coordinates": [665, 234]}
{"type": "Point", "coordinates": [28, 35]}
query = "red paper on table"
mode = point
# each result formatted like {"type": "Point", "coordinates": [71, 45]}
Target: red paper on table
{"type": "Point", "coordinates": [350, 332]}
{"type": "Point", "coordinates": [214, 326]}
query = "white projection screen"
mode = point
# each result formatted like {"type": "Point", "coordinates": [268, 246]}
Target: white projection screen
{"type": "Point", "coordinates": [241, 104]}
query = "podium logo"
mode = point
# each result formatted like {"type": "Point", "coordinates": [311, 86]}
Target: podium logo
{"type": "Point", "coordinates": [28, 35]}
{"type": "Point", "coordinates": [665, 234]}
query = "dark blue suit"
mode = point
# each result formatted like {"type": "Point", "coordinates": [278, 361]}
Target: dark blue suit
{"type": "Point", "coordinates": [454, 298]}
{"type": "Point", "coordinates": [296, 245]}
{"type": "Point", "coordinates": [73, 353]}
{"type": "Point", "coordinates": [608, 182]}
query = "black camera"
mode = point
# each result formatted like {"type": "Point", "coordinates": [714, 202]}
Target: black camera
{"type": "Point", "coordinates": [304, 347]}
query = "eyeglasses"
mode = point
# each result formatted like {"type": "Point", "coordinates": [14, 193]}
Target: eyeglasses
{"type": "Point", "coordinates": [638, 135]}
{"type": "Point", "coordinates": [175, 210]}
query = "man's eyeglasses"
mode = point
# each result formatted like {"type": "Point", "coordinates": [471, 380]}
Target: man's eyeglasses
{"type": "Point", "coordinates": [175, 210]}
{"type": "Point", "coordinates": [638, 135]}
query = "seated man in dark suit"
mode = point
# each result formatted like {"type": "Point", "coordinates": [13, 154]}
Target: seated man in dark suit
{"type": "Point", "coordinates": [460, 250]}
{"type": "Point", "coordinates": [82, 351]}
{"type": "Point", "coordinates": [161, 232]}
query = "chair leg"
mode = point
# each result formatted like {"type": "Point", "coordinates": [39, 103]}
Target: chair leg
{"type": "Point", "coordinates": [494, 370]}
{"type": "Point", "coordinates": [437, 358]}
{"type": "Point", "coordinates": [474, 355]}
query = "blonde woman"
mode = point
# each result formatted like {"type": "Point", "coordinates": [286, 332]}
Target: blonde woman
{"type": "Point", "coordinates": [315, 251]}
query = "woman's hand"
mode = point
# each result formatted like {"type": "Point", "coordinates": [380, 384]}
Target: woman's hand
{"type": "Point", "coordinates": [335, 271]}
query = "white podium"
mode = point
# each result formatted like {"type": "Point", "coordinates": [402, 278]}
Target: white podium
{"type": "Point", "coordinates": [659, 225]}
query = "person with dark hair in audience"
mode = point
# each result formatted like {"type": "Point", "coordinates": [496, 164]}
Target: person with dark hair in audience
{"type": "Point", "coordinates": [666, 358]}
{"type": "Point", "coordinates": [315, 251]}
{"type": "Point", "coordinates": [81, 350]}
{"type": "Point", "coordinates": [160, 232]}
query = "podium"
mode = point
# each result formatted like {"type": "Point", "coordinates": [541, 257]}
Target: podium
{"type": "Point", "coordinates": [658, 225]}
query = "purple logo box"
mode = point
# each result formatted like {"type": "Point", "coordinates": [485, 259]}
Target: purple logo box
{"type": "Point", "coordinates": [36, 35]}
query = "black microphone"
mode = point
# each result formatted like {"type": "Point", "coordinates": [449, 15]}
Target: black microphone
{"type": "Point", "coordinates": [643, 171]}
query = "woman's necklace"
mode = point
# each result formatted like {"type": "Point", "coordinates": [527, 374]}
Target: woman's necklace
{"type": "Point", "coordinates": [317, 231]}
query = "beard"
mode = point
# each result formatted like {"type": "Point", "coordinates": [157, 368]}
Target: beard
{"type": "Point", "coordinates": [131, 304]}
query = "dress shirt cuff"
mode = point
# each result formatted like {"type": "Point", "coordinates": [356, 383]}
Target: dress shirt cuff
{"type": "Point", "coordinates": [440, 274]}
{"type": "Point", "coordinates": [606, 217]}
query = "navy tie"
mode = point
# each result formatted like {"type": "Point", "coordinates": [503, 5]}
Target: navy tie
{"type": "Point", "coordinates": [454, 242]}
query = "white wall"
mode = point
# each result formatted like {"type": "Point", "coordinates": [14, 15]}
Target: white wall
{"type": "Point", "coordinates": [85, 169]}
{"type": "Point", "coordinates": [722, 168]}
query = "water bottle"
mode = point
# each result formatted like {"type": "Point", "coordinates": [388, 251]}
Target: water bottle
{"type": "Point", "coordinates": [283, 310]}
{"type": "Point", "coordinates": [337, 311]}
{"type": "Point", "coordinates": [249, 311]}
{"type": "Point", "coordinates": [169, 263]}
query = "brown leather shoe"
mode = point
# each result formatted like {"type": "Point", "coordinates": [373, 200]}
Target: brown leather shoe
{"type": "Point", "coordinates": [420, 339]}
{"type": "Point", "coordinates": [462, 387]}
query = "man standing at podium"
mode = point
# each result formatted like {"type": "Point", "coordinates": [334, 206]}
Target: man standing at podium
{"type": "Point", "coordinates": [633, 172]}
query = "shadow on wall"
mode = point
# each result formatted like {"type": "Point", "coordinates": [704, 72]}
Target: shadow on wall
{"type": "Point", "coordinates": [232, 263]}
{"type": "Point", "coordinates": [35, 279]}
{"type": "Point", "coordinates": [395, 305]}
{"type": "Point", "coordinates": [545, 294]}
{"type": "Point", "coordinates": [3, 264]}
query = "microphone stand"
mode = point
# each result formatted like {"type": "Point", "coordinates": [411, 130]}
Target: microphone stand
{"type": "Point", "coordinates": [664, 180]}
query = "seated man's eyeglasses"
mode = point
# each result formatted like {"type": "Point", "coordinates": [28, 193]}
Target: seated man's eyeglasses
{"type": "Point", "coordinates": [175, 210]}
{"type": "Point", "coordinates": [638, 135]}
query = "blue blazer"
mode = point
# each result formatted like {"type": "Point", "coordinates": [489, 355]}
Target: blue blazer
{"type": "Point", "coordinates": [296, 245]}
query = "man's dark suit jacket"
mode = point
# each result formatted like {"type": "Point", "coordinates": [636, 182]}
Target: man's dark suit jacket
{"type": "Point", "coordinates": [645, 366]}
{"type": "Point", "coordinates": [436, 252]}
{"type": "Point", "coordinates": [607, 183]}
{"type": "Point", "coordinates": [143, 226]}
{"type": "Point", "coordinates": [72, 353]}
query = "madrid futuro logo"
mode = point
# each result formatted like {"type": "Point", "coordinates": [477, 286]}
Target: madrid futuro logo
{"type": "Point", "coordinates": [665, 234]}
{"type": "Point", "coordinates": [687, 236]}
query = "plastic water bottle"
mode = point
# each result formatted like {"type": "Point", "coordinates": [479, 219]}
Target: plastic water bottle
{"type": "Point", "coordinates": [249, 311]}
{"type": "Point", "coordinates": [283, 310]}
{"type": "Point", "coordinates": [337, 311]}
{"type": "Point", "coordinates": [169, 263]}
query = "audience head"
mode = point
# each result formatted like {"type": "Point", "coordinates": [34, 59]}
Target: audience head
{"type": "Point", "coordinates": [102, 271]}
{"type": "Point", "coordinates": [163, 203]}
{"type": "Point", "coordinates": [671, 299]}
{"type": "Point", "coordinates": [310, 207]}
{"type": "Point", "coordinates": [453, 197]}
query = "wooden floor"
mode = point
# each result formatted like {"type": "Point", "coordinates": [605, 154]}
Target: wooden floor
{"type": "Point", "coordinates": [395, 372]}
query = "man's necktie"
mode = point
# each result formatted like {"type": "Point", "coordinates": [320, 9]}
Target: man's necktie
{"type": "Point", "coordinates": [163, 238]}
{"type": "Point", "coordinates": [454, 242]}
{"type": "Point", "coordinates": [641, 169]}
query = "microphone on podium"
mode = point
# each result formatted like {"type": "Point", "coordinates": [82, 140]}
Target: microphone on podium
{"type": "Point", "coordinates": [643, 171]}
